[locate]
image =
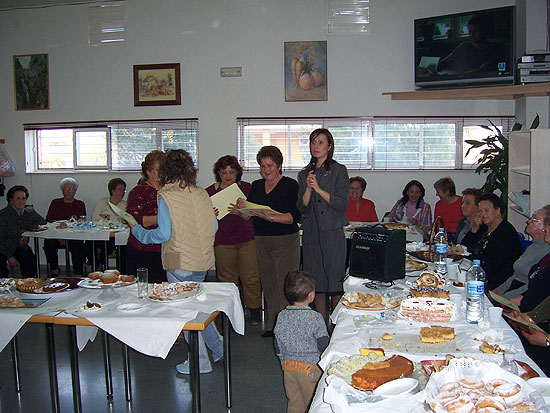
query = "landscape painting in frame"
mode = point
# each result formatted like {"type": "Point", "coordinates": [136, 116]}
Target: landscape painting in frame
{"type": "Point", "coordinates": [30, 74]}
{"type": "Point", "coordinates": [157, 84]}
{"type": "Point", "coordinates": [305, 71]}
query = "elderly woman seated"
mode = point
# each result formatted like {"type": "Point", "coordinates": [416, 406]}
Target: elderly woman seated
{"type": "Point", "coordinates": [538, 227]}
{"type": "Point", "coordinates": [103, 212]}
{"type": "Point", "coordinates": [469, 228]}
{"type": "Point", "coordinates": [499, 246]}
{"type": "Point", "coordinates": [15, 219]}
{"type": "Point", "coordinates": [64, 209]}
{"type": "Point", "coordinates": [360, 209]}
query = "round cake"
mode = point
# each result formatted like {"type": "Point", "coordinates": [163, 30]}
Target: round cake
{"type": "Point", "coordinates": [28, 285]}
{"type": "Point", "coordinates": [376, 373]}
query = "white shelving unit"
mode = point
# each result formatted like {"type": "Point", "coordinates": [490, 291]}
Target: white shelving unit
{"type": "Point", "coordinates": [528, 169]}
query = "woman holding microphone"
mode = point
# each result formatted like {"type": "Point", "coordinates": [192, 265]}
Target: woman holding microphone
{"type": "Point", "coordinates": [323, 199]}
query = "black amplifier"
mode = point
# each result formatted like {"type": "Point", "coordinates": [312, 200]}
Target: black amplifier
{"type": "Point", "coordinates": [377, 253]}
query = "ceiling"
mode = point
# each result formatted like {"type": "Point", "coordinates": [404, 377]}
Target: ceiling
{"type": "Point", "coordinates": [31, 4]}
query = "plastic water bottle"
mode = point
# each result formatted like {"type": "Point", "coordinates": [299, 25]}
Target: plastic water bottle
{"type": "Point", "coordinates": [440, 257]}
{"type": "Point", "coordinates": [475, 290]}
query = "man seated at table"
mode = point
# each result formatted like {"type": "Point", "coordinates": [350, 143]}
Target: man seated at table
{"type": "Point", "coordinates": [15, 219]}
{"type": "Point", "coordinates": [64, 209]}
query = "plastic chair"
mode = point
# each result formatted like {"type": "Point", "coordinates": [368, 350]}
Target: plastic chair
{"type": "Point", "coordinates": [524, 242]}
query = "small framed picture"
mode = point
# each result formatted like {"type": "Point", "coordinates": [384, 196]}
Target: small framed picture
{"type": "Point", "coordinates": [158, 84]}
{"type": "Point", "coordinates": [305, 71]}
{"type": "Point", "coordinates": [31, 82]}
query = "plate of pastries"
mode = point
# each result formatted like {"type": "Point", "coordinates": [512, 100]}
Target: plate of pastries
{"type": "Point", "coordinates": [369, 302]}
{"type": "Point", "coordinates": [107, 279]}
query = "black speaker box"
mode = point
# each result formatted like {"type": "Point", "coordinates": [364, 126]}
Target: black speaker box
{"type": "Point", "coordinates": [378, 253]}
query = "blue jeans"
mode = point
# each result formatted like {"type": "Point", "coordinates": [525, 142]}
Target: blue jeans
{"type": "Point", "coordinates": [210, 336]}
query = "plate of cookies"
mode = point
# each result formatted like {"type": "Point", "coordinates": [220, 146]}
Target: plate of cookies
{"type": "Point", "coordinates": [369, 302]}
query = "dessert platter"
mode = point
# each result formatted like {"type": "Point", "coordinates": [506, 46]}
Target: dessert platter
{"type": "Point", "coordinates": [470, 385]}
{"type": "Point", "coordinates": [412, 265]}
{"type": "Point", "coordinates": [426, 254]}
{"type": "Point", "coordinates": [50, 288]}
{"type": "Point", "coordinates": [174, 292]}
{"type": "Point", "coordinates": [367, 372]}
{"type": "Point", "coordinates": [369, 302]}
{"type": "Point", "coordinates": [107, 279]}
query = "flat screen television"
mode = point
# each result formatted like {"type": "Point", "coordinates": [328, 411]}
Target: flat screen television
{"type": "Point", "coordinates": [467, 49]}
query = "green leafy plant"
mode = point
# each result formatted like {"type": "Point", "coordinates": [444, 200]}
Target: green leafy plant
{"type": "Point", "coordinates": [493, 159]}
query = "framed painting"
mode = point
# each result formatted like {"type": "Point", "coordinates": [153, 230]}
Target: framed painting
{"type": "Point", "coordinates": [156, 85]}
{"type": "Point", "coordinates": [305, 71]}
{"type": "Point", "coordinates": [31, 82]}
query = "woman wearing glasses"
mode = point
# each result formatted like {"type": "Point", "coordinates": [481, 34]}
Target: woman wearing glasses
{"type": "Point", "coordinates": [538, 227]}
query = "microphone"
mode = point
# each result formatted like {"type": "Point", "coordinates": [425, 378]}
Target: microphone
{"type": "Point", "coordinates": [313, 162]}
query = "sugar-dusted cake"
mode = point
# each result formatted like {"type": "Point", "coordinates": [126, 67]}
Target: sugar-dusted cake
{"type": "Point", "coordinates": [433, 292]}
{"type": "Point", "coordinates": [376, 373]}
{"type": "Point", "coordinates": [428, 309]}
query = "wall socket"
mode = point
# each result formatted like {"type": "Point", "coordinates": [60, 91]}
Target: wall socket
{"type": "Point", "coordinates": [231, 71]}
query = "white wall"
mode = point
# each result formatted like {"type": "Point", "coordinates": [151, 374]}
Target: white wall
{"type": "Point", "coordinates": [95, 83]}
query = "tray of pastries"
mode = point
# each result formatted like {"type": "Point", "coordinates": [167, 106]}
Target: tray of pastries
{"type": "Point", "coordinates": [369, 302]}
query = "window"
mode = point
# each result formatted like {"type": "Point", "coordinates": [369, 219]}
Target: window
{"type": "Point", "coordinates": [119, 146]}
{"type": "Point", "coordinates": [364, 143]}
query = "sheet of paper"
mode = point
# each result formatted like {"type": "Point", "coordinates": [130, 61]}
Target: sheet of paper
{"type": "Point", "coordinates": [522, 323]}
{"type": "Point", "coordinates": [503, 301]}
{"type": "Point", "coordinates": [251, 206]}
{"type": "Point", "coordinates": [226, 196]}
{"type": "Point", "coordinates": [123, 214]}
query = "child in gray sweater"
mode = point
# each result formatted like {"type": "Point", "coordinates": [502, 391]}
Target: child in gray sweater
{"type": "Point", "coordinates": [300, 337]}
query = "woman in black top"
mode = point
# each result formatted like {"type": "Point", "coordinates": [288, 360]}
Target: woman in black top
{"type": "Point", "coordinates": [277, 237]}
{"type": "Point", "coordinates": [499, 246]}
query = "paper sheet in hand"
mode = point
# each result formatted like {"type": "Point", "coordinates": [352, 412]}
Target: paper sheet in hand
{"type": "Point", "coordinates": [227, 196]}
{"type": "Point", "coordinates": [521, 323]}
{"type": "Point", "coordinates": [251, 206]}
{"type": "Point", "coordinates": [503, 301]}
{"type": "Point", "coordinates": [123, 214]}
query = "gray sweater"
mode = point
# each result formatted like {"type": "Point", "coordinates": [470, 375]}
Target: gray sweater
{"type": "Point", "coordinates": [300, 334]}
{"type": "Point", "coordinates": [531, 256]}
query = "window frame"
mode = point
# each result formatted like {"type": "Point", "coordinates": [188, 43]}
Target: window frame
{"type": "Point", "coordinates": [161, 125]}
{"type": "Point", "coordinates": [368, 123]}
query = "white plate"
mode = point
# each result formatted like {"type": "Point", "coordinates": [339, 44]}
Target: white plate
{"type": "Point", "coordinates": [129, 307]}
{"type": "Point", "coordinates": [183, 296]}
{"type": "Point", "coordinates": [94, 284]}
{"type": "Point", "coordinates": [397, 387]}
{"type": "Point", "coordinates": [542, 384]}
{"type": "Point", "coordinates": [59, 294]}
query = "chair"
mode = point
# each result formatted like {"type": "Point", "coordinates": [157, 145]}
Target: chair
{"type": "Point", "coordinates": [524, 242]}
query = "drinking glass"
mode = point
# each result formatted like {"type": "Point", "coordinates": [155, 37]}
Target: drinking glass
{"type": "Point", "coordinates": [142, 282]}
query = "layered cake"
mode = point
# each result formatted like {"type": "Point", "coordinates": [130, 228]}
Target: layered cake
{"type": "Point", "coordinates": [428, 309]}
{"type": "Point", "coordinates": [376, 373]}
{"type": "Point", "coordinates": [432, 292]}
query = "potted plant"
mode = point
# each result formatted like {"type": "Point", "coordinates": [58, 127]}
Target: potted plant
{"type": "Point", "coordinates": [493, 160]}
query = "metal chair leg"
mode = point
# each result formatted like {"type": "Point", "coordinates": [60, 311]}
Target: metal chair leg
{"type": "Point", "coordinates": [73, 353]}
{"type": "Point", "coordinates": [15, 354]}
{"type": "Point", "coordinates": [52, 367]}
{"type": "Point", "coordinates": [194, 370]}
{"type": "Point", "coordinates": [107, 366]}
{"type": "Point", "coordinates": [126, 368]}
{"type": "Point", "coordinates": [227, 360]}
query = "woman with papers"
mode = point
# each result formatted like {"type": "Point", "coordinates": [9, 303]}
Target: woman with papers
{"type": "Point", "coordinates": [234, 246]}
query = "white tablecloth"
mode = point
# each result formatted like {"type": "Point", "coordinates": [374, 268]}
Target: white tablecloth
{"type": "Point", "coordinates": [351, 334]}
{"type": "Point", "coordinates": [151, 330]}
{"type": "Point", "coordinates": [94, 234]}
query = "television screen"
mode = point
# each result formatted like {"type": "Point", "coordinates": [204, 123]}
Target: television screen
{"type": "Point", "coordinates": [465, 49]}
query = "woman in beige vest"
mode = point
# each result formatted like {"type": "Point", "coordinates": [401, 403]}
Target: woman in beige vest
{"type": "Point", "coordinates": [186, 229]}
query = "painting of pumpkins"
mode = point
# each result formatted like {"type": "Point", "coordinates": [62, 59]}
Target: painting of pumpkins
{"type": "Point", "coordinates": [305, 71]}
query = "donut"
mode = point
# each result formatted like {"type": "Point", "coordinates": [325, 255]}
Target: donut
{"type": "Point", "coordinates": [507, 390]}
{"type": "Point", "coordinates": [490, 402]}
{"type": "Point", "coordinates": [116, 272]}
{"type": "Point", "coordinates": [95, 275]}
{"type": "Point", "coordinates": [453, 385]}
{"type": "Point", "coordinates": [524, 406]}
{"type": "Point", "coordinates": [448, 396]}
{"type": "Point", "coordinates": [487, 410]}
{"type": "Point", "coordinates": [127, 278]}
{"type": "Point", "coordinates": [492, 384]}
{"type": "Point", "coordinates": [28, 285]}
{"type": "Point", "coordinates": [462, 405]}
{"type": "Point", "coordinates": [109, 278]}
{"type": "Point", "coordinates": [468, 384]}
